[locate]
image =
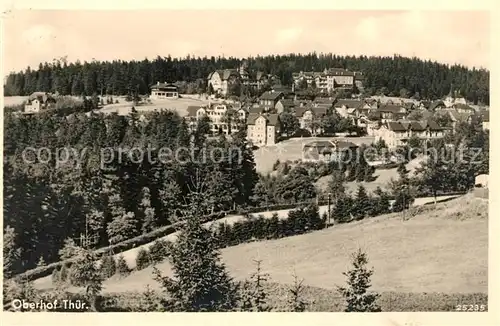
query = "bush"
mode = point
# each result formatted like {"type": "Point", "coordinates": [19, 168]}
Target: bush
{"type": "Point", "coordinates": [142, 260]}
{"type": "Point", "coordinates": [158, 251]}
{"type": "Point", "coordinates": [108, 266]}
{"type": "Point", "coordinates": [63, 273]}
{"type": "Point", "coordinates": [55, 276]}
{"type": "Point", "coordinates": [121, 266]}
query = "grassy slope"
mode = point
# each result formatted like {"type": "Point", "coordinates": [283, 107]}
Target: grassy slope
{"type": "Point", "coordinates": [441, 250]}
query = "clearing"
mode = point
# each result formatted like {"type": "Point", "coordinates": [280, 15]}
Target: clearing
{"type": "Point", "coordinates": [179, 105]}
{"type": "Point", "coordinates": [440, 249]}
{"type": "Point", "coordinates": [291, 149]}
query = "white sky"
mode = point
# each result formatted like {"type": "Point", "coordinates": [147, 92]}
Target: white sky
{"type": "Point", "coordinates": [450, 37]}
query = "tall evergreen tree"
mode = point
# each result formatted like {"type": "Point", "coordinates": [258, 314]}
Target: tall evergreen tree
{"type": "Point", "coordinates": [201, 282]}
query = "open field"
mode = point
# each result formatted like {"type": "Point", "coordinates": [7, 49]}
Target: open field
{"type": "Point", "coordinates": [291, 149]}
{"type": "Point", "coordinates": [14, 100]}
{"type": "Point", "coordinates": [441, 249]}
{"type": "Point", "coordinates": [180, 105]}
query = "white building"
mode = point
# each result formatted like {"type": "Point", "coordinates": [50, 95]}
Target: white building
{"type": "Point", "coordinates": [164, 91]}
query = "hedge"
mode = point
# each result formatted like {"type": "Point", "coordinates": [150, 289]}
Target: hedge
{"type": "Point", "coordinates": [299, 221]}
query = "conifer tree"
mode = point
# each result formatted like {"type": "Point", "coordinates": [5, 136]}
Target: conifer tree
{"type": "Point", "coordinates": [254, 296]}
{"type": "Point", "coordinates": [121, 266]}
{"type": "Point", "coordinates": [200, 282]}
{"type": "Point", "coordinates": [356, 294]}
{"type": "Point", "coordinates": [85, 273]}
{"type": "Point", "coordinates": [123, 224]}
{"type": "Point", "coordinates": [11, 253]}
{"type": "Point", "coordinates": [108, 265]}
{"type": "Point", "coordinates": [149, 222]}
{"type": "Point", "coordinates": [295, 300]}
{"type": "Point", "coordinates": [143, 259]}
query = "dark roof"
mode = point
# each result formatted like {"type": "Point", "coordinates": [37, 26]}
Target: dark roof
{"type": "Point", "coordinates": [287, 103]}
{"type": "Point", "coordinates": [225, 74]}
{"type": "Point", "coordinates": [191, 110]}
{"type": "Point", "coordinates": [321, 145]}
{"type": "Point", "coordinates": [348, 103]}
{"type": "Point", "coordinates": [395, 126]}
{"type": "Point", "coordinates": [255, 109]}
{"type": "Point", "coordinates": [41, 97]}
{"type": "Point", "coordinates": [272, 119]}
{"type": "Point", "coordinates": [163, 85]}
{"type": "Point", "coordinates": [405, 125]}
{"type": "Point", "coordinates": [270, 95]}
{"type": "Point", "coordinates": [280, 88]}
{"type": "Point", "coordinates": [436, 104]}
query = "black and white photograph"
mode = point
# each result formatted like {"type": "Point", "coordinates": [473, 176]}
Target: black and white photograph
{"type": "Point", "coordinates": [246, 161]}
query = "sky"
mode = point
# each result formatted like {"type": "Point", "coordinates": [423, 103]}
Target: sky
{"type": "Point", "coordinates": [34, 36]}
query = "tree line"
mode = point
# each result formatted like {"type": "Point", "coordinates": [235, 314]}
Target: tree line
{"type": "Point", "coordinates": [396, 75]}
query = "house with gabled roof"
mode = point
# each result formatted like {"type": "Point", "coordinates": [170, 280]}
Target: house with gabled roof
{"type": "Point", "coordinates": [39, 101]}
{"type": "Point", "coordinates": [348, 108]}
{"type": "Point", "coordinates": [164, 91]}
{"type": "Point", "coordinates": [285, 105]}
{"type": "Point", "coordinates": [223, 118]}
{"type": "Point", "coordinates": [309, 117]}
{"type": "Point", "coordinates": [397, 133]}
{"type": "Point", "coordinates": [269, 99]}
{"type": "Point", "coordinates": [263, 129]}
{"type": "Point", "coordinates": [391, 112]}
{"type": "Point", "coordinates": [221, 80]}
{"type": "Point", "coordinates": [327, 151]}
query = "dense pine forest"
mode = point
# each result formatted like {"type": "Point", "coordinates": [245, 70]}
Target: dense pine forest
{"type": "Point", "coordinates": [394, 76]}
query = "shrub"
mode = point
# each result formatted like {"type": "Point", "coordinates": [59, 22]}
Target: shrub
{"type": "Point", "coordinates": [63, 273]}
{"type": "Point", "coordinates": [108, 266]}
{"type": "Point", "coordinates": [158, 251]}
{"type": "Point", "coordinates": [142, 260]}
{"type": "Point", "coordinates": [55, 276]}
{"type": "Point", "coordinates": [121, 266]}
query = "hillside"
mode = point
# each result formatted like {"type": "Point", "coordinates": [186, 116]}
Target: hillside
{"type": "Point", "coordinates": [441, 249]}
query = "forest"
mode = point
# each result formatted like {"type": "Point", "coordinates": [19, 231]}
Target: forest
{"type": "Point", "coordinates": [392, 76]}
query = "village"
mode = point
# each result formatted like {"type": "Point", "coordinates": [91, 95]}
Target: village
{"type": "Point", "coordinates": [327, 105]}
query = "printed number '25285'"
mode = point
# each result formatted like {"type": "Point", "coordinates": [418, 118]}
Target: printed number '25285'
{"type": "Point", "coordinates": [471, 307]}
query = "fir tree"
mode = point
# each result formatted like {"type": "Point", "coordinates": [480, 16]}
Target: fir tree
{"type": "Point", "coordinates": [142, 260]}
{"type": "Point", "coordinates": [121, 266]}
{"type": "Point", "coordinates": [362, 203]}
{"type": "Point", "coordinates": [254, 296]}
{"type": "Point", "coordinates": [149, 222]}
{"type": "Point", "coordinates": [200, 281]}
{"type": "Point", "coordinates": [356, 293]}
{"type": "Point", "coordinates": [295, 301]}
{"type": "Point", "coordinates": [108, 265]}
{"type": "Point", "coordinates": [85, 273]}
{"type": "Point", "coordinates": [123, 224]}
{"type": "Point", "coordinates": [11, 253]}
